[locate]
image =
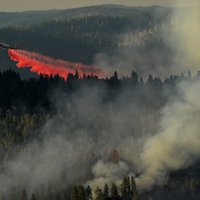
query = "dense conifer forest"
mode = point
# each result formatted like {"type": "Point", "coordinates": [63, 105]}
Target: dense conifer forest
{"type": "Point", "coordinates": [26, 105]}
{"type": "Point", "coordinates": [92, 138]}
{"type": "Point", "coordinates": [81, 34]}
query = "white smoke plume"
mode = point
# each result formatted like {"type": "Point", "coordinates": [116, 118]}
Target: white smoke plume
{"type": "Point", "coordinates": [169, 47]}
{"type": "Point", "coordinates": [83, 154]}
{"type": "Point", "coordinates": [42, 164]}
{"type": "Point", "coordinates": [184, 37]}
{"type": "Point", "coordinates": [74, 150]}
{"type": "Point", "coordinates": [108, 172]}
{"type": "Point", "coordinates": [177, 145]}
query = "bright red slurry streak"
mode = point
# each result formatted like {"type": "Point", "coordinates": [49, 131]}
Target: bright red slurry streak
{"type": "Point", "coordinates": [46, 65]}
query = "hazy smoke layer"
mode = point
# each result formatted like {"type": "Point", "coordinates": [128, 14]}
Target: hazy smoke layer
{"type": "Point", "coordinates": [108, 172]}
{"type": "Point", "coordinates": [177, 145]}
{"type": "Point", "coordinates": [184, 37]}
{"type": "Point", "coordinates": [76, 147]}
{"type": "Point", "coordinates": [78, 140]}
{"type": "Point", "coordinates": [171, 46]}
{"type": "Point", "coordinates": [77, 143]}
{"type": "Point", "coordinates": [43, 164]}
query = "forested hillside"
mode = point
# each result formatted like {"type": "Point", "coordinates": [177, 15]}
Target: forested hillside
{"type": "Point", "coordinates": [20, 19]}
{"type": "Point", "coordinates": [82, 34]}
{"type": "Point", "coordinates": [121, 135]}
{"type": "Point", "coordinates": [32, 109]}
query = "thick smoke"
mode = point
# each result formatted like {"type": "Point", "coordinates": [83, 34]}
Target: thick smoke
{"type": "Point", "coordinates": [49, 66]}
{"type": "Point", "coordinates": [77, 149]}
{"type": "Point", "coordinates": [108, 172]}
{"type": "Point", "coordinates": [184, 37]}
{"type": "Point", "coordinates": [177, 145]}
{"type": "Point", "coordinates": [77, 142]}
{"type": "Point", "coordinates": [42, 164]}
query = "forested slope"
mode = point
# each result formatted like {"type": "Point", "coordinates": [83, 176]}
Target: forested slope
{"type": "Point", "coordinates": [90, 32]}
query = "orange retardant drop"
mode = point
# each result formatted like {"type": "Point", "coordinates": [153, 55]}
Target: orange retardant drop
{"type": "Point", "coordinates": [48, 66]}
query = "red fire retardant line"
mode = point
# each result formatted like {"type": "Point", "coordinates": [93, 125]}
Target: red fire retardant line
{"type": "Point", "coordinates": [45, 65]}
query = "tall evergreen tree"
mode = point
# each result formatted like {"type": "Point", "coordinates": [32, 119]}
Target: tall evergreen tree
{"type": "Point", "coordinates": [115, 75]}
{"type": "Point", "coordinates": [106, 192]}
{"type": "Point", "coordinates": [81, 192]}
{"type": "Point", "coordinates": [133, 188]}
{"type": "Point", "coordinates": [74, 193]}
{"type": "Point", "coordinates": [98, 194]}
{"type": "Point", "coordinates": [150, 78]}
{"type": "Point", "coordinates": [33, 197]}
{"type": "Point", "coordinates": [134, 77]}
{"type": "Point", "coordinates": [114, 192]}
{"type": "Point", "coordinates": [125, 188]}
{"type": "Point", "coordinates": [88, 193]}
{"type": "Point", "coordinates": [76, 76]}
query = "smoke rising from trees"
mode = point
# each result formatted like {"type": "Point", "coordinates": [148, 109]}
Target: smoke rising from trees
{"type": "Point", "coordinates": [77, 142]}
{"type": "Point", "coordinates": [176, 146]}
{"type": "Point", "coordinates": [164, 47]}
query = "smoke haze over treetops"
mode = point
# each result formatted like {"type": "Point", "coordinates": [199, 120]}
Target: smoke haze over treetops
{"type": "Point", "coordinates": [73, 144]}
{"type": "Point", "coordinates": [171, 46]}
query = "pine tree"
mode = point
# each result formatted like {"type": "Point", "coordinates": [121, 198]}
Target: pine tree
{"type": "Point", "coordinates": [76, 76]}
{"type": "Point", "coordinates": [74, 194]}
{"type": "Point", "coordinates": [98, 194]}
{"type": "Point", "coordinates": [106, 192]}
{"type": "Point", "coordinates": [133, 188]}
{"type": "Point", "coordinates": [125, 188]}
{"type": "Point", "coordinates": [134, 77]}
{"type": "Point", "coordinates": [150, 79]}
{"type": "Point", "coordinates": [33, 197]}
{"type": "Point", "coordinates": [88, 193]}
{"type": "Point", "coordinates": [81, 192]}
{"type": "Point", "coordinates": [114, 192]}
{"type": "Point", "coordinates": [115, 75]}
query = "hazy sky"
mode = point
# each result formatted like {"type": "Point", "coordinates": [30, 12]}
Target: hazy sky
{"type": "Point", "coordinates": [19, 5]}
